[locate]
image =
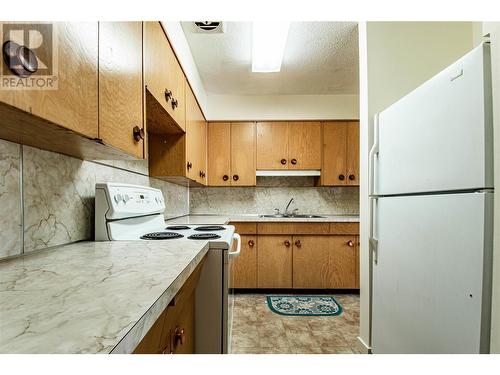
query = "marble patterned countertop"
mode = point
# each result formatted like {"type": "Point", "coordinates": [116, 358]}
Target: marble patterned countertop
{"type": "Point", "coordinates": [90, 297]}
{"type": "Point", "coordinates": [225, 219]}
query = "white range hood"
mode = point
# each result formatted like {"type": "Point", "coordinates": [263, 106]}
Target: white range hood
{"type": "Point", "coordinates": [310, 172]}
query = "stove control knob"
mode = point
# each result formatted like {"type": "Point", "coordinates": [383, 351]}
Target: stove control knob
{"type": "Point", "coordinates": [126, 198]}
{"type": "Point", "coordinates": [118, 198]}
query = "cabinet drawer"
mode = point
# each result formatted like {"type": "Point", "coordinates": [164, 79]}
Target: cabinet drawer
{"type": "Point", "coordinates": [245, 228]}
{"type": "Point", "coordinates": [344, 228]}
{"type": "Point", "coordinates": [293, 228]}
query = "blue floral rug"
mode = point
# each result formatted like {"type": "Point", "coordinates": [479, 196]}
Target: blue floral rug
{"type": "Point", "coordinates": [304, 305]}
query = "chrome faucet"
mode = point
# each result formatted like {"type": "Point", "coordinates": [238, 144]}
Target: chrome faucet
{"type": "Point", "coordinates": [288, 205]}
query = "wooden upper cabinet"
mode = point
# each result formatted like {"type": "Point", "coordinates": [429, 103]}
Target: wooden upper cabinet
{"type": "Point", "coordinates": [202, 155]}
{"type": "Point", "coordinates": [231, 154]}
{"type": "Point", "coordinates": [352, 168]}
{"type": "Point", "coordinates": [120, 86]}
{"type": "Point", "coordinates": [289, 145]}
{"type": "Point", "coordinates": [73, 104]}
{"type": "Point", "coordinates": [340, 153]}
{"type": "Point", "coordinates": [195, 140]}
{"type": "Point", "coordinates": [219, 153]}
{"type": "Point", "coordinates": [243, 154]}
{"type": "Point", "coordinates": [334, 153]}
{"type": "Point", "coordinates": [163, 75]}
{"type": "Point", "coordinates": [304, 147]}
{"type": "Point", "coordinates": [272, 145]}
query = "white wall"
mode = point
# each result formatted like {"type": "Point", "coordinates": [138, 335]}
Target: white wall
{"type": "Point", "coordinates": [493, 29]}
{"type": "Point", "coordinates": [282, 107]}
{"type": "Point", "coordinates": [395, 58]}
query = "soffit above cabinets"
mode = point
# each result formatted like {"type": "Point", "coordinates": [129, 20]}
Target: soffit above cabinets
{"type": "Point", "coordinates": [320, 58]}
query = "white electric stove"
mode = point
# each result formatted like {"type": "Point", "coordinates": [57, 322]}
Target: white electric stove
{"type": "Point", "coordinates": [135, 213]}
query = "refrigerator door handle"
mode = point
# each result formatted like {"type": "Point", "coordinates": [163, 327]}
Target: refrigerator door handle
{"type": "Point", "coordinates": [373, 242]}
{"type": "Point", "coordinates": [373, 153]}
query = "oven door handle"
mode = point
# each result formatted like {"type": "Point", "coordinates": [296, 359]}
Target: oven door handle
{"type": "Point", "coordinates": [234, 254]}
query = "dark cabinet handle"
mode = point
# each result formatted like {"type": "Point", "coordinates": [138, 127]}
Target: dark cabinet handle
{"type": "Point", "coordinates": [225, 177]}
{"type": "Point", "coordinates": [138, 133]}
{"type": "Point", "coordinates": [352, 177]}
{"type": "Point", "coordinates": [20, 60]}
{"type": "Point", "coordinates": [287, 243]}
{"type": "Point", "coordinates": [201, 173]}
{"type": "Point", "coordinates": [180, 336]}
{"type": "Point", "coordinates": [341, 177]}
{"type": "Point", "coordinates": [189, 165]}
{"type": "Point", "coordinates": [350, 243]}
{"type": "Point", "coordinates": [297, 243]}
{"type": "Point", "coordinates": [293, 161]}
{"type": "Point", "coordinates": [168, 95]}
{"type": "Point", "coordinates": [283, 161]}
{"type": "Point", "coordinates": [251, 243]}
{"type": "Point", "coordinates": [175, 103]}
{"type": "Point", "coordinates": [236, 177]}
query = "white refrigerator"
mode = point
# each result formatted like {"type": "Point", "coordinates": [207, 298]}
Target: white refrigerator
{"type": "Point", "coordinates": [431, 228]}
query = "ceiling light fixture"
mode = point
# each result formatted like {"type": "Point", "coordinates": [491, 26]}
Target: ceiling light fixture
{"type": "Point", "coordinates": [268, 45]}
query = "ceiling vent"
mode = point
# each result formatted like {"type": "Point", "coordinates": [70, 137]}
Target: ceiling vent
{"type": "Point", "coordinates": [209, 27]}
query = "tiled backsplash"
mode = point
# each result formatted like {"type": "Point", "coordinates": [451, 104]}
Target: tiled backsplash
{"type": "Point", "coordinates": [47, 199]}
{"type": "Point", "coordinates": [275, 192]}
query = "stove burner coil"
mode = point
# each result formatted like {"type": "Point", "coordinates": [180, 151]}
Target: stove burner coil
{"type": "Point", "coordinates": [161, 236]}
{"type": "Point", "coordinates": [210, 228]}
{"type": "Point", "coordinates": [204, 236]}
{"type": "Point", "coordinates": [177, 227]}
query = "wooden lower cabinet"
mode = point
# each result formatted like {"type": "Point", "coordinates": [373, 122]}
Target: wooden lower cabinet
{"type": "Point", "coordinates": [311, 267]}
{"type": "Point", "coordinates": [343, 261]}
{"type": "Point", "coordinates": [274, 262]}
{"type": "Point", "coordinates": [245, 265]}
{"type": "Point", "coordinates": [174, 331]}
{"type": "Point", "coordinates": [297, 255]}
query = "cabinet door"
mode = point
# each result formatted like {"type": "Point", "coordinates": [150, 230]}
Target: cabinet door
{"type": "Point", "coordinates": [304, 145]}
{"type": "Point", "coordinates": [310, 261]}
{"type": "Point", "coordinates": [272, 145]}
{"type": "Point", "coordinates": [243, 154]}
{"type": "Point", "coordinates": [333, 172]}
{"type": "Point", "coordinates": [352, 169]}
{"type": "Point", "coordinates": [245, 265]}
{"type": "Point", "coordinates": [162, 72]}
{"type": "Point", "coordinates": [343, 262]}
{"type": "Point", "coordinates": [182, 331]}
{"type": "Point", "coordinates": [202, 157]}
{"type": "Point", "coordinates": [193, 137]}
{"type": "Point", "coordinates": [73, 104]}
{"type": "Point", "coordinates": [219, 153]}
{"type": "Point", "coordinates": [274, 262]}
{"type": "Point", "coordinates": [120, 85]}
{"type": "Point", "coordinates": [151, 342]}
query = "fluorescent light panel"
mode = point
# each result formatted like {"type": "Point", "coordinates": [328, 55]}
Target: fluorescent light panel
{"type": "Point", "coordinates": [268, 45]}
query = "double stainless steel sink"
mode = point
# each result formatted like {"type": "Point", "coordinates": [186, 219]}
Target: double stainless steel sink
{"type": "Point", "coordinates": [281, 216]}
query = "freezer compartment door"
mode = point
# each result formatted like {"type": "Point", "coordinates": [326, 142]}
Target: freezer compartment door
{"type": "Point", "coordinates": [432, 276]}
{"type": "Point", "coordinates": [439, 137]}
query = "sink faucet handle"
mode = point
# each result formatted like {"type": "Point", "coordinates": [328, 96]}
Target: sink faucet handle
{"type": "Point", "coordinates": [277, 211]}
{"type": "Point", "coordinates": [295, 210]}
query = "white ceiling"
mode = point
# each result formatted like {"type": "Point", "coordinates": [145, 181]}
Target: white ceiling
{"type": "Point", "coordinates": [320, 58]}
